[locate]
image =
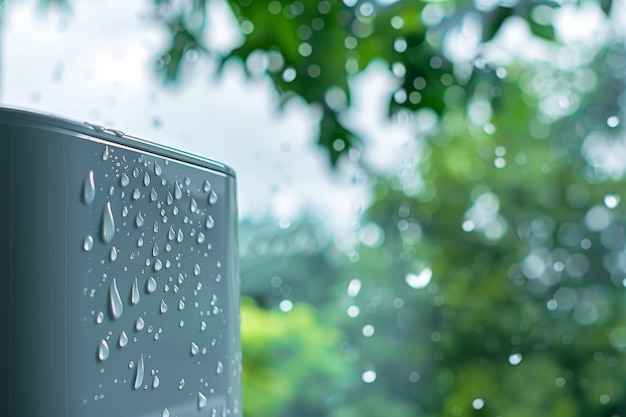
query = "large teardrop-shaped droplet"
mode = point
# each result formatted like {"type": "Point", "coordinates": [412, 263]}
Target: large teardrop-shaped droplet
{"type": "Point", "coordinates": [194, 205]}
{"type": "Point", "coordinates": [113, 254]}
{"type": "Point", "coordinates": [123, 340]}
{"type": "Point", "coordinates": [179, 236]}
{"type": "Point", "coordinates": [103, 350]}
{"type": "Point", "coordinates": [156, 382]}
{"type": "Point", "coordinates": [202, 401]}
{"type": "Point", "coordinates": [105, 155]}
{"type": "Point", "coordinates": [139, 220]}
{"type": "Point", "coordinates": [158, 265]}
{"type": "Point", "coordinates": [155, 249]}
{"type": "Point", "coordinates": [134, 293]}
{"type": "Point", "coordinates": [196, 270]}
{"type": "Point", "coordinates": [108, 223]}
{"type": "Point", "coordinates": [115, 301]}
{"type": "Point", "coordinates": [163, 308]}
{"type": "Point", "coordinates": [88, 243]}
{"type": "Point", "coordinates": [139, 373]}
{"type": "Point", "coordinates": [99, 317]}
{"type": "Point", "coordinates": [169, 199]}
{"type": "Point", "coordinates": [206, 186]}
{"type": "Point", "coordinates": [212, 197]}
{"type": "Point", "coordinates": [157, 169]}
{"type": "Point", "coordinates": [165, 413]}
{"type": "Point", "coordinates": [146, 178]}
{"type": "Point", "coordinates": [210, 222]}
{"type": "Point", "coordinates": [89, 189]}
{"type": "Point", "coordinates": [181, 305]}
{"type": "Point", "coordinates": [136, 194]}
{"type": "Point", "coordinates": [139, 324]}
{"type": "Point", "coordinates": [125, 211]}
{"type": "Point", "coordinates": [124, 180]}
{"type": "Point", "coordinates": [194, 349]}
{"type": "Point", "coordinates": [178, 191]}
{"type": "Point", "coordinates": [171, 234]}
{"type": "Point", "coordinates": [201, 237]}
{"type": "Point", "coordinates": [153, 195]}
{"type": "Point", "coordinates": [151, 285]}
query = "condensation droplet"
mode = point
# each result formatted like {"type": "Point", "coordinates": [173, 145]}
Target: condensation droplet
{"type": "Point", "coordinates": [103, 350]}
{"type": "Point", "coordinates": [124, 180]}
{"type": "Point", "coordinates": [203, 326]}
{"type": "Point", "coordinates": [220, 368]}
{"type": "Point", "coordinates": [89, 189]}
{"type": "Point", "coordinates": [179, 236]}
{"type": "Point", "coordinates": [139, 220]}
{"type": "Point", "coordinates": [136, 172]}
{"type": "Point", "coordinates": [163, 307]}
{"type": "Point", "coordinates": [115, 301]}
{"type": "Point", "coordinates": [158, 265]}
{"type": "Point", "coordinates": [194, 205]}
{"type": "Point", "coordinates": [152, 285]}
{"type": "Point", "coordinates": [108, 224]}
{"type": "Point", "coordinates": [155, 249]}
{"type": "Point", "coordinates": [100, 317]}
{"type": "Point", "coordinates": [181, 305]}
{"type": "Point", "coordinates": [153, 195]}
{"type": "Point", "coordinates": [88, 243]}
{"type": "Point", "coordinates": [165, 413]}
{"type": "Point", "coordinates": [206, 186]}
{"type": "Point", "coordinates": [181, 383]}
{"type": "Point", "coordinates": [155, 226]}
{"type": "Point", "coordinates": [136, 194]}
{"type": "Point", "coordinates": [169, 199]}
{"type": "Point", "coordinates": [171, 234]}
{"type": "Point", "coordinates": [210, 222]}
{"type": "Point", "coordinates": [113, 254]}
{"type": "Point", "coordinates": [194, 349]}
{"type": "Point", "coordinates": [178, 191]}
{"type": "Point", "coordinates": [139, 373]}
{"type": "Point", "coordinates": [105, 155]}
{"type": "Point", "coordinates": [196, 270]}
{"type": "Point", "coordinates": [156, 382]}
{"type": "Point", "coordinates": [157, 169]}
{"type": "Point", "coordinates": [202, 401]}
{"type": "Point", "coordinates": [140, 242]}
{"type": "Point", "coordinates": [139, 324]}
{"type": "Point", "coordinates": [123, 340]}
{"type": "Point", "coordinates": [175, 211]}
{"type": "Point", "coordinates": [212, 197]}
{"type": "Point", "coordinates": [125, 211]}
{"type": "Point", "coordinates": [146, 179]}
{"type": "Point", "coordinates": [134, 295]}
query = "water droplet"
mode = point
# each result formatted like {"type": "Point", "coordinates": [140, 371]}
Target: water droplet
{"type": "Point", "coordinates": [115, 301]}
{"type": "Point", "coordinates": [196, 270]}
{"type": "Point", "coordinates": [194, 205]}
{"type": "Point", "coordinates": [202, 401]}
{"type": "Point", "coordinates": [157, 169]}
{"type": "Point", "coordinates": [151, 285]}
{"type": "Point", "coordinates": [153, 195]}
{"type": "Point", "coordinates": [113, 254]}
{"type": "Point", "coordinates": [203, 326]}
{"type": "Point", "coordinates": [515, 359]}
{"type": "Point", "coordinates": [178, 191]}
{"type": "Point", "coordinates": [125, 211]}
{"type": "Point", "coordinates": [187, 181]}
{"type": "Point", "coordinates": [181, 383]}
{"type": "Point", "coordinates": [140, 242]}
{"type": "Point", "coordinates": [171, 234]}
{"type": "Point", "coordinates": [163, 307]}
{"type": "Point", "coordinates": [136, 172]}
{"type": "Point", "coordinates": [88, 243]}
{"type": "Point", "coordinates": [136, 194]}
{"type": "Point", "coordinates": [100, 317]}
{"type": "Point", "coordinates": [179, 236]}
{"type": "Point", "coordinates": [194, 349]}
{"type": "Point", "coordinates": [201, 237]}
{"type": "Point", "coordinates": [124, 180]}
{"type": "Point", "coordinates": [134, 294]}
{"type": "Point", "coordinates": [206, 186]}
{"type": "Point", "coordinates": [212, 197]}
{"type": "Point", "coordinates": [89, 189]}
{"type": "Point", "coordinates": [181, 305]}
{"type": "Point", "coordinates": [105, 155]}
{"type": "Point", "coordinates": [175, 211]}
{"type": "Point", "coordinates": [165, 413]}
{"type": "Point", "coordinates": [156, 381]}
{"type": "Point", "coordinates": [169, 199]}
{"type": "Point", "coordinates": [139, 324]}
{"type": "Point", "coordinates": [139, 220]}
{"type": "Point", "coordinates": [209, 222]}
{"type": "Point", "coordinates": [103, 350]}
{"type": "Point", "coordinates": [139, 373]}
{"type": "Point", "coordinates": [158, 265]}
{"type": "Point", "coordinates": [155, 249]}
{"type": "Point", "coordinates": [220, 368]}
{"type": "Point", "coordinates": [146, 178]}
{"type": "Point", "coordinates": [123, 340]}
{"type": "Point", "coordinates": [108, 224]}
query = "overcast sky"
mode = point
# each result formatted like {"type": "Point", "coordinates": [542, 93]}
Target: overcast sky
{"type": "Point", "coordinates": [95, 64]}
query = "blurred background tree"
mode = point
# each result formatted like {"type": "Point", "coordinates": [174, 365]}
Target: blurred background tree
{"type": "Point", "coordinates": [487, 275]}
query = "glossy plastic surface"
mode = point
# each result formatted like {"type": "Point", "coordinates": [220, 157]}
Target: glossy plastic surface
{"type": "Point", "coordinates": [119, 265]}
